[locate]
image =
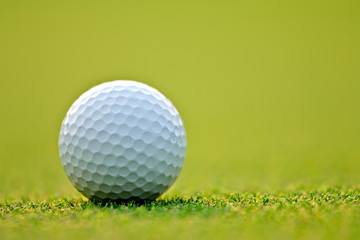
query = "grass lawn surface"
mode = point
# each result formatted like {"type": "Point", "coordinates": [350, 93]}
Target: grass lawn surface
{"type": "Point", "coordinates": [330, 214]}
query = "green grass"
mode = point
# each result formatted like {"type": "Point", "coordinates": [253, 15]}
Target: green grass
{"type": "Point", "coordinates": [329, 214]}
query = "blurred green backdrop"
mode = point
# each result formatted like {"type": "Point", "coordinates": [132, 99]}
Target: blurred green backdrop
{"type": "Point", "coordinates": [268, 90]}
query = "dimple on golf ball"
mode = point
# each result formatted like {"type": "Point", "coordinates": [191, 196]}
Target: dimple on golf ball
{"type": "Point", "coordinates": [122, 140]}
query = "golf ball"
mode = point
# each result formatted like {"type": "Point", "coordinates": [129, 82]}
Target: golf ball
{"type": "Point", "coordinates": [122, 140]}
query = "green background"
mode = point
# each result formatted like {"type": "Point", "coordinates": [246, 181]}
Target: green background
{"type": "Point", "coordinates": [269, 91]}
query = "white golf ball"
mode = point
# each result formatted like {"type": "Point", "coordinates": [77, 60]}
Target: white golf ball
{"type": "Point", "coordinates": [122, 140]}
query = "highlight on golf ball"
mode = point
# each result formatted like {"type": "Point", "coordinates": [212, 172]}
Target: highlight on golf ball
{"type": "Point", "coordinates": [122, 140]}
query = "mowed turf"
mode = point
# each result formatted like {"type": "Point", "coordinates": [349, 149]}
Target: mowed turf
{"type": "Point", "coordinates": [268, 92]}
{"type": "Point", "coordinates": [329, 214]}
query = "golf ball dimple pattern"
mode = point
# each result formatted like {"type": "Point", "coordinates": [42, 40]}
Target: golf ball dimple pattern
{"type": "Point", "coordinates": [122, 140]}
